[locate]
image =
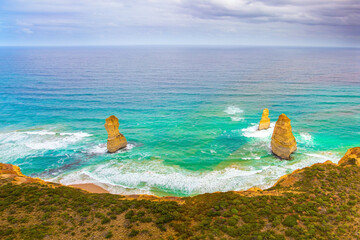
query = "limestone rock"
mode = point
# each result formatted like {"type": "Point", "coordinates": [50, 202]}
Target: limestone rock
{"type": "Point", "coordinates": [254, 189]}
{"type": "Point", "coordinates": [12, 172]}
{"type": "Point", "coordinates": [351, 157]}
{"type": "Point", "coordinates": [115, 140]}
{"type": "Point", "coordinates": [265, 120]}
{"type": "Point", "coordinates": [283, 142]}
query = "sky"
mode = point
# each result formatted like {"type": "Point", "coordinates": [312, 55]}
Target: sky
{"type": "Point", "coordinates": [180, 22]}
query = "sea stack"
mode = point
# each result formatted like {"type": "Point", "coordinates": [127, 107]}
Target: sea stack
{"type": "Point", "coordinates": [115, 140]}
{"type": "Point", "coordinates": [265, 120]}
{"type": "Point", "coordinates": [283, 142]}
{"type": "Point", "coordinates": [351, 157]}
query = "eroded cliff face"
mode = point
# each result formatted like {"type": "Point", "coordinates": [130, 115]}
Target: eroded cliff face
{"type": "Point", "coordinates": [13, 172]}
{"type": "Point", "coordinates": [283, 142]}
{"type": "Point", "coordinates": [115, 140]}
{"type": "Point", "coordinates": [351, 157]}
{"type": "Point", "coordinates": [265, 120]}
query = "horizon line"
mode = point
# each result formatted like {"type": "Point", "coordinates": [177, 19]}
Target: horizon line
{"type": "Point", "coordinates": [183, 45]}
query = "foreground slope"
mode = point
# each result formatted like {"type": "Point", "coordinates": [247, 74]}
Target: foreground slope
{"type": "Point", "coordinates": [318, 202]}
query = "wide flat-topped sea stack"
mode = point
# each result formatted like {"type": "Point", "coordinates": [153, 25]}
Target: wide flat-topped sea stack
{"type": "Point", "coordinates": [265, 120]}
{"type": "Point", "coordinates": [283, 142]}
{"type": "Point", "coordinates": [351, 157]}
{"type": "Point", "coordinates": [115, 140]}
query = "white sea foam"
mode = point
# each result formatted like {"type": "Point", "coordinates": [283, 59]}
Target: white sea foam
{"type": "Point", "coordinates": [156, 175]}
{"type": "Point", "coordinates": [98, 149]}
{"type": "Point", "coordinates": [17, 144]}
{"type": "Point", "coordinates": [52, 140]}
{"type": "Point", "coordinates": [306, 136]}
{"type": "Point", "coordinates": [306, 139]}
{"type": "Point", "coordinates": [235, 112]}
{"type": "Point", "coordinates": [102, 149]}
{"type": "Point", "coordinates": [237, 119]}
{"type": "Point", "coordinates": [129, 146]}
{"type": "Point", "coordinates": [232, 110]}
{"type": "Point", "coordinates": [145, 176]}
{"type": "Point", "coordinates": [253, 132]}
{"type": "Point", "coordinates": [251, 158]}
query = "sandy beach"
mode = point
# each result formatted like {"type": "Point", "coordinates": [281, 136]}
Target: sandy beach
{"type": "Point", "coordinates": [90, 187]}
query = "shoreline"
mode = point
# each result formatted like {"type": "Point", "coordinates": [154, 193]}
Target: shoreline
{"type": "Point", "coordinates": [89, 187]}
{"type": "Point", "coordinates": [14, 172]}
{"type": "Point", "coordinates": [100, 187]}
{"type": "Point", "coordinates": [292, 207]}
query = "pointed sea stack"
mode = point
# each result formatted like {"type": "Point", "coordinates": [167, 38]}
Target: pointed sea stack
{"type": "Point", "coordinates": [351, 157]}
{"type": "Point", "coordinates": [265, 120]}
{"type": "Point", "coordinates": [283, 142]}
{"type": "Point", "coordinates": [115, 140]}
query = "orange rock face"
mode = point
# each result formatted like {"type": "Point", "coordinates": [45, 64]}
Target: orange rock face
{"type": "Point", "coordinates": [115, 140]}
{"type": "Point", "coordinates": [283, 142]}
{"type": "Point", "coordinates": [13, 172]}
{"type": "Point", "coordinates": [351, 157]}
{"type": "Point", "coordinates": [265, 120]}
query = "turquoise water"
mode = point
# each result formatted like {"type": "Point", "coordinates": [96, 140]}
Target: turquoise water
{"type": "Point", "coordinates": [189, 114]}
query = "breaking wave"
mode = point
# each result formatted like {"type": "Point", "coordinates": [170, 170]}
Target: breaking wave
{"type": "Point", "coordinates": [235, 112]}
{"type": "Point", "coordinates": [102, 149]}
{"type": "Point", "coordinates": [153, 176]}
{"type": "Point", "coordinates": [253, 132]}
{"type": "Point", "coordinates": [232, 110]}
{"type": "Point", "coordinates": [18, 144]}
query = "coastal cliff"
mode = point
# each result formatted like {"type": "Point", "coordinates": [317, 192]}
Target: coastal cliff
{"type": "Point", "coordinates": [351, 157]}
{"type": "Point", "coordinates": [317, 202]}
{"type": "Point", "coordinates": [9, 171]}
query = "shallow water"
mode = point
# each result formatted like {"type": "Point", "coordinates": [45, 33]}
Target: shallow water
{"type": "Point", "coordinates": [189, 114]}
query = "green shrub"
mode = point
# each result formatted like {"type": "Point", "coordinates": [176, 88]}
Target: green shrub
{"type": "Point", "coordinates": [105, 220]}
{"type": "Point", "coordinates": [233, 221]}
{"type": "Point", "coordinates": [108, 234]}
{"type": "Point", "coordinates": [290, 221]}
{"type": "Point", "coordinates": [133, 233]}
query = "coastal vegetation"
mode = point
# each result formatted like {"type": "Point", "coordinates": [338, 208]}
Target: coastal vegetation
{"type": "Point", "coordinates": [318, 202]}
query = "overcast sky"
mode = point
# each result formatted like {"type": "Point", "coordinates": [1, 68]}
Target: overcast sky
{"type": "Point", "coordinates": [180, 22]}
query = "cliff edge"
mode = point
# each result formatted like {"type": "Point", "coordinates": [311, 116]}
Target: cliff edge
{"type": "Point", "coordinates": [317, 202]}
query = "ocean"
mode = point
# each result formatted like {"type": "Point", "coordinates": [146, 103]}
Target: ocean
{"type": "Point", "coordinates": [190, 114]}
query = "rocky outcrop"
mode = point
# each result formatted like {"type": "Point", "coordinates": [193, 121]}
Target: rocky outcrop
{"type": "Point", "coordinates": [12, 172]}
{"type": "Point", "coordinates": [265, 120]}
{"type": "Point", "coordinates": [351, 157]}
{"type": "Point", "coordinates": [115, 140]}
{"type": "Point", "coordinates": [283, 142]}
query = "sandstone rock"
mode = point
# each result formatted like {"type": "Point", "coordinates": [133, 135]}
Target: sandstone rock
{"type": "Point", "coordinates": [254, 189]}
{"type": "Point", "coordinates": [351, 157]}
{"type": "Point", "coordinates": [283, 142]}
{"type": "Point", "coordinates": [12, 172]}
{"type": "Point", "coordinates": [265, 120]}
{"type": "Point", "coordinates": [115, 140]}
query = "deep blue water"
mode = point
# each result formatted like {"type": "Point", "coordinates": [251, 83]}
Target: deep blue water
{"type": "Point", "coordinates": [189, 113]}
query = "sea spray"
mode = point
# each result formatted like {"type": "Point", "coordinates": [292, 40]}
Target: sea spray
{"type": "Point", "coordinates": [253, 132]}
{"type": "Point", "coordinates": [232, 110]}
{"type": "Point", "coordinates": [155, 176]}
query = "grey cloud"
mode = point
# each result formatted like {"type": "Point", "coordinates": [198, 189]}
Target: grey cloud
{"type": "Point", "coordinates": [219, 21]}
{"type": "Point", "coordinates": [317, 12]}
